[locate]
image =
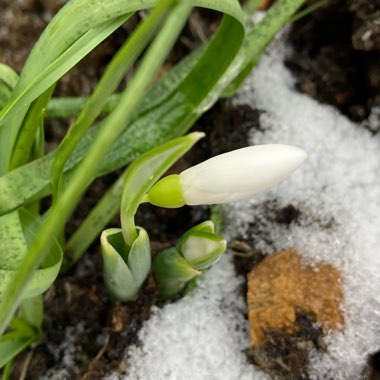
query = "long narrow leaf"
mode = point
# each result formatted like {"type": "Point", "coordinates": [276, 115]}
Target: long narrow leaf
{"type": "Point", "coordinates": [9, 348]}
{"type": "Point", "coordinates": [114, 73]}
{"type": "Point", "coordinates": [17, 232]}
{"type": "Point", "coordinates": [21, 99]}
{"type": "Point", "coordinates": [56, 218]}
{"type": "Point", "coordinates": [62, 44]}
{"type": "Point", "coordinates": [168, 111]}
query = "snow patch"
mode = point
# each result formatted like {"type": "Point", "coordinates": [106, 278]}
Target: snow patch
{"type": "Point", "coordinates": [337, 192]}
{"type": "Point", "coordinates": [201, 337]}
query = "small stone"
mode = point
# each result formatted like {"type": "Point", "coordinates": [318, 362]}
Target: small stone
{"type": "Point", "coordinates": [281, 287]}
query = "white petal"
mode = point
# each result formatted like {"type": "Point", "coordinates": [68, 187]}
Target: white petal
{"type": "Point", "coordinates": [238, 174]}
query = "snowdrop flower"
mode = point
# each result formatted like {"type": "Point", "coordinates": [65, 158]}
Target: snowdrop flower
{"type": "Point", "coordinates": [228, 177]}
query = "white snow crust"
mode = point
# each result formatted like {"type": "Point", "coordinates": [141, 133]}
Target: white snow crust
{"type": "Point", "coordinates": [337, 191]}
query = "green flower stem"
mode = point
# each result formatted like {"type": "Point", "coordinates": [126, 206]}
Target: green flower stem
{"type": "Point", "coordinates": [129, 229]}
{"type": "Point", "coordinates": [114, 73]}
{"type": "Point", "coordinates": [114, 125]}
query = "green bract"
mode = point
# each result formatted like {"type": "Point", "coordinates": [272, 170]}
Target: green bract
{"type": "Point", "coordinates": [125, 268]}
{"type": "Point", "coordinates": [174, 269]}
{"type": "Point", "coordinates": [145, 172]}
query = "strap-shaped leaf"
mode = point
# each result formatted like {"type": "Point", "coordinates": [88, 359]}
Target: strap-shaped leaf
{"type": "Point", "coordinates": [24, 95]}
{"type": "Point", "coordinates": [31, 311]}
{"type": "Point", "coordinates": [168, 111]}
{"type": "Point", "coordinates": [12, 346]}
{"type": "Point", "coordinates": [112, 76]}
{"type": "Point", "coordinates": [16, 234]}
{"type": "Point", "coordinates": [74, 32]}
{"type": "Point", "coordinates": [56, 218]}
{"type": "Point", "coordinates": [8, 76]}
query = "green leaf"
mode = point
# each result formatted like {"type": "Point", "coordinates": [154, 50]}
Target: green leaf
{"type": "Point", "coordinates": [8, 76]}
{"type": "Point", "coordinates": [172, 272]}
{"type": "Point", "coordinates": [8, 81]}
{"type": "Point", "coordinates": [32, 123]}
{"type": "Point", "coordinates": [114, 73]}
{"type": "Point", "coordinates": [74, 31]}
{"type": "Point", "coordinates": [168, 111]}
{"type": "Point", "coordinates": [258, 39]}
{"type": "Point", "coordinates": [95, 222]}
{"type": "Point", "coordinates": [7, 370]}
{"type": "Point", "coordinates": [139, 259]}
{"type": "Point", "coordinates": [9, 348]}
{"type": "Point", "coordinates": [31, 311]}
{"type": "Point", "coordinates": [20, 326]}
{"type": "Point", "coordinates": [17, 231]}
{"type": "Point", "coordinates": [24, 95]}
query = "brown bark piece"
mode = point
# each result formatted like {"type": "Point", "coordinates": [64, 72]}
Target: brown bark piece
{"type": "Point", "coordinates": [281, 286]}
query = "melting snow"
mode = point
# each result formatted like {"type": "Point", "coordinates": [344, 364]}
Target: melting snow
{"type": "Point", "coordinates": [337, 192]}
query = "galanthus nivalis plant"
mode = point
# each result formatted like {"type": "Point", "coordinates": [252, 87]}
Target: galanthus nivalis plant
{"type": "Point", "coordinates": [108, 129]}
{"type": "Point", "coordinates": [225, 178]}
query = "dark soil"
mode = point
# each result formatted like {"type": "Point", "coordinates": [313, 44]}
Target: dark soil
{"type": "Point", "coordinates": [336, 56]}
{"type": "Point", "coordinates": [282, 355]}
{"type": "Point", "coordinates": [285, 356]}
{"type": "Point", "coordinates": [334, 64]}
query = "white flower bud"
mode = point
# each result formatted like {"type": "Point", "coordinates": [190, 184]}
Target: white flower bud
{"type": "Point", "coordinates": [238, 174]}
